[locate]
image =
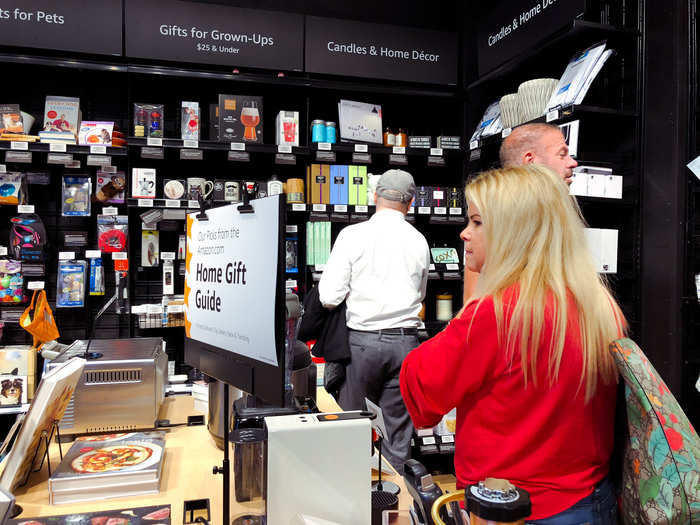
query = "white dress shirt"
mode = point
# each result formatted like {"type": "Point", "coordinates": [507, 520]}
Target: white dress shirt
{"type": "Point", "coordinates": [380, 267]}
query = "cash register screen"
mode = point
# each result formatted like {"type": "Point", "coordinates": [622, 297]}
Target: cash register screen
{"type": "Point", "coordinates": [444, 255]}
{"type": "Point", "coordinates": [234, 296]}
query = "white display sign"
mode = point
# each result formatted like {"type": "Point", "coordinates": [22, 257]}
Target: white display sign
{"type": "Point", "coordinates": [231, 279]}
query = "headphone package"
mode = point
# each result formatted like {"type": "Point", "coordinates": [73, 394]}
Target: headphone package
{"type": "Point", "coordinates": [112, 233]}
{"type": "Point", "coordinates": [27, 237]}
{"type": "Point", "coordinates": [70, 284]}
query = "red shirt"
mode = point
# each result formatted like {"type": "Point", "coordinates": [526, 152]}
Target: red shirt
{"type": "Point", "coordinates": [544, 439]}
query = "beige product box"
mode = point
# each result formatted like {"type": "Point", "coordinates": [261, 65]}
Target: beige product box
{"type": "Point", "coordinates": [318, 182]}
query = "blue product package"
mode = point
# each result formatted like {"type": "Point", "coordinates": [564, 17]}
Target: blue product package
{"type": "Point", "coordinates": [97, 281]}
{"type": "Point", "coordinates": [339, 184]}
{"type": "Point", "coordinates": [70, 284]}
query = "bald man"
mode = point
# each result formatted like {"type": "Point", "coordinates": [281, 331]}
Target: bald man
{"type": "Point", "coordinates": [537, 143]}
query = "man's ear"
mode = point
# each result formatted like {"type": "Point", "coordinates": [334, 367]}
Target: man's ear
{"type": "Point", "coordinates": [528, 157]}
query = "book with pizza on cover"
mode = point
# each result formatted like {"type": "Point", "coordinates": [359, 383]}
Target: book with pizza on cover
{"type": "Point", "coordinates": [110, 459]}
{"type": "Point", "coordinates": [157, 515]}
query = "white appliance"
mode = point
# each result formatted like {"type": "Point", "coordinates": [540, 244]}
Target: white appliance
{"type": "Point", "coordinates": [318, 467]}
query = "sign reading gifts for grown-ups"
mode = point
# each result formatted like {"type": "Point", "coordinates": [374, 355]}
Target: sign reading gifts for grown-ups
{"type": "Point", "coordinates": [68, 25]}
{"type": "Point", "coordinates": [506, 28]}
{"type": "Point", "coordinates": [345, 47]}
{"type": "Point", "coordinates": [213, 34]}
{"type": "Point", "coordinates": [231, 279]}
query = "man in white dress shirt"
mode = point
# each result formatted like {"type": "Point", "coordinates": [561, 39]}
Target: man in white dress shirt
{"type": "Point", "coordinates": [380, 268]}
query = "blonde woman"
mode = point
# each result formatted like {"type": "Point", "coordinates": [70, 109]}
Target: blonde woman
{"type": "Point", "coordinates": [526, 362]}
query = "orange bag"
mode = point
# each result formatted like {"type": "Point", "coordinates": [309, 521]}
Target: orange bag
{"type": "Point", "coordinates": [39, 321]}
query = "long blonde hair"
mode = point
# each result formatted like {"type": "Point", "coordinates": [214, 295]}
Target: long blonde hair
{"type": "Point", "coordinates": [534, 235]}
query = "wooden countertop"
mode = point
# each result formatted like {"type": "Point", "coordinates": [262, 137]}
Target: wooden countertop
{"type": "Point", "coordinates": [190, 455]}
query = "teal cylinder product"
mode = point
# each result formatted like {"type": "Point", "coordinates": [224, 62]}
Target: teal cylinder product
{"type": "Point", "coordinates": [318, 131]}
{"type": "Point", "coordinates": [330, 132]}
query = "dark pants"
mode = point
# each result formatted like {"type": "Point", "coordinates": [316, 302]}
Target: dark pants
{"type": "Point", "coordinates": [600, 508]}
{"type": "Point", "coordinates": [373, 373]}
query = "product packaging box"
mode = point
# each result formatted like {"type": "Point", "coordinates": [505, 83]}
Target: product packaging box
{"type": "Point", "coordinates": [357, 185]}
{"type": "Point", "coordinates": [11, 119]}
{"type": "Point", "coordinates": [287, 128]}
{"type": "Point", "coordinates": [189, 121]}
{"type": "Point", "coordinates": [213, 122]}
{"type": "Point", "coordinates": [318, 183]}
{"type": "Point", "coordinates": [93, 132]}
{"type": "Point", "coordinates": [424, 196]}
{"type": "Point", "coordinates": [456, 198]}
{"type": "Point", "coordinates": [110, 187]}
{"type": "Point", "coordinates": [150, 248]}
{"type": "Point", "coordinates": [603, 246]}
{"type": "Point", "coordinates": [438, 195]}
{"type": "Point", "coordinates": [339, 184]}
{"type": "Point", "coordinates": [61, 115]}
{"type": "Point", "coordinates": [310, 261]}
{"type": "Point", "coordinates": [148, 120]}
{"type": "Point", "coordinates": [143, 183]}
{"type": "Point", "coordinates": [218, 192]}
{"type": "Point", "coordinates": [240, 119]}
{"type": "Point", "coordinates": [19, 360]}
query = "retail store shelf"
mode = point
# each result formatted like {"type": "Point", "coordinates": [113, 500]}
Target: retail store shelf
{"type": "Point", "coordinates": [576, 31]}
{"type": "Point", "coordinates": [70, 148]}
{"type": "Point", "coordinates": [387, 150]}
{"type": "Point", "coordinates": [211, 145]}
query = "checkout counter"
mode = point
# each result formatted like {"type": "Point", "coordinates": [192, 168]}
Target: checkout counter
{"type": "Point", "coordinates": [190, 454]}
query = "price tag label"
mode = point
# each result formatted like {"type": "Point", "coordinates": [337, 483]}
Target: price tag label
{"type": "Point", "coordinates": [474, 144]}
{"type": "Point", "coordinates": [190, 143]}
{"type": "Point", "coordinates": [506, 132]}
{"type": "Point", "coordinates": [98, 160]}
{"type": "Point", "coordinates": [3, 168]}
{"type": "Point", "coordinates": [154, 141]}
{"type": "Point", "coordinates": [19, 146]}
{"type": "Point", "coordinates": [423, 210]}
{"type": "Point", "coordinates": [361, 209]}
{"type": "Point", "coordinates": [111, 210]}
{"type": "Point", "coordinates": [24, 157]}
{"type": "Point", "coordinates": [552, 115]}
{"type": "Point", "coordinates": [145, 203]}
{"type": "Point", "coordinates": [324, 146]}
{"type": "Point", "coordinates": [152, 153]}
{"type": "Point", "coordinates": [431, 268]}
{"type": "Point", "coordinates": [172, 203]}
{"type": "Point", "coordinates": [340, 208]}
{"type": "Point", "coordinates": [448, 439]}
{"type": "Point", "coordinates": [361, 148]}
{"type": "Point", "coordinates": [191, 154]}
{"type": "Point", "coordinates": [109, 169]}
{"type": "Point", "coordinates": [361, 158]}
{"type": "Point", "coordinates": [290, 283]}
{"type": "Point", "coordinates": [98, 150]}
{"type": "Point", "coordinates": [176, 308]}
{"type": "Point", "coordinates": [455, 211]}
{"type": "Point", "coordinates": [237, 146]}
{"type": "Point", "coordinates": [452, 267]}
{"type": "Point", "coordinates": [298, 207]}
{"type": "Point", "coordinates": [193, 204]}
{"type": "Point", "coordinates": [319, 207]}
{"type": "Point", "coordinates": [119, 256]}
{"type": "Point", "coordinates": [282, 148]}
{"type": "Point", "coordinates": [3, 250]}
{"type": "Point", "coordinates": [59, 158]}
{"type": "Point", "coordinates": [430, 440]}
{"type": "Point", "coordinates": [438, 195]}
{"type": "Point", "coordinates": [57, 148]}
{"type": "Point", "coordinates": [412, 210]}
{"type": "Point", "coordinates": [35, 285]}
{"type": "Point", "coordinates": [66, 256]}
{"type": "Point", "coordinates": [320, 267]}
{"type": "Point", "coordinates": [436, 152]}
{"type": "Point", "coordinates": [167, 256]}
{"type": "Point", "coordinates": [93, 254]}
{"type": "Point", "coordinates": [291, 228]}
{"type": "Point", "coordinates": [398, 150]}
{"type": "Point", "coordinates": [25, 208]}
{"type": "Point", "coordinates": [440, 210]}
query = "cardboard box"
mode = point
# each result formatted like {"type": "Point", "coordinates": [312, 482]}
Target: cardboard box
{"type": "Point", "coordinates": [189, 121]}
{"type": "Point", "coordinates": [240, 119]}
{"type": "Point", "coordinates": [318, 183]}
{"type": "Point", "coordinates": [424, 196]}
{"type": "Point", "coordinates": [339, 184]}
{"type": "Point", "coordinates": [357, 185]}
{"type": "Point", "coordinates": [213, 122]}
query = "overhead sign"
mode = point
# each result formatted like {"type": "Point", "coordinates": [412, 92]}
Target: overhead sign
{"type": "Point", "coordinates": [68, 25]}
{"type": "Point", "coordinates": [345, 47]}
{"type": "Point", "coordinates": [506, 28]}
{"type": "Point", "coordinates": [231, 279]}
{"type": "Point", "coordinates": [213, 34]}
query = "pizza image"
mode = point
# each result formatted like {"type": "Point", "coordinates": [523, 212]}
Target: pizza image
{"type": "Point", "coordinates": [114, 458]}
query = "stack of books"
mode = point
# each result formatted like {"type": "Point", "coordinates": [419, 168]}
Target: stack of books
{"type": "Point", "coordinates": [109, 466]}
{"type": "Point", "coordinates": [61, 120]}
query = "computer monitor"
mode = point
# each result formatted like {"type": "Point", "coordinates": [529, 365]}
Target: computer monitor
{"type": "Point", "coordinates": [235, 297]}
